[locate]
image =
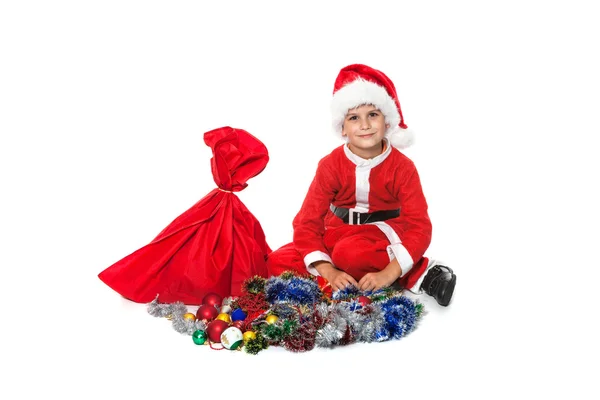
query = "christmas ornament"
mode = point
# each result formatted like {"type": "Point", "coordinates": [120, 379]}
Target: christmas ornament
{"type": "Point", "coordinates": [186, 326]}
{"type": "Point", "coordinates": [303, 339]}
{"type": "Point", "coordinates": [226, 309]}
{"type": "Point", "coordinates": [254, 285]}
{"type": "Point", "coordinates": [295, 318]}
{"type": "Point", "coordinates": [157, 309]}
{"type": "Point", "coordinates": [232, 338]}
{"type": "Point", "coordinates": [215, 329]}
{"type": "Point", "coordinates": [199, 337]}
{"type": "Point", "coordinates": [238, 315]}
{"type": "Point", "coordinates": [292, 289]}
{"type": "Point", "coordinates": [256, 344]}
{"type": "Point", "coordinates": [189, 316]}
{"type": "Point", "coordinates": [249, 335]}
{"type": "Point", "coordinates": [325, 286]}
{"type": "Point", "coordinates": [364, 300]}
{"type": "Point", "coordinates": [212, 299]}
{"type": "Point", "coordinates": [239, 324]}
{"type": "Point", "coordinates": [207, 312]}
{"type": "Point", "coordinates": [224, 317]}
{"type": "Point", "coordinates": [275, 333]}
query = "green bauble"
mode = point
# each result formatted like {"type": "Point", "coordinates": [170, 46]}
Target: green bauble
{"type": "Point", "coordinates": [199, 337]}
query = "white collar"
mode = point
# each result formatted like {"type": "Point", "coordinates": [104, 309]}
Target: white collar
{"type": "Point", "coordinates": [370, 163]}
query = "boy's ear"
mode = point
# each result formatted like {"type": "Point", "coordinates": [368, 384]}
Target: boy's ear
{"type": "Point", "coordinates": [387, 126]}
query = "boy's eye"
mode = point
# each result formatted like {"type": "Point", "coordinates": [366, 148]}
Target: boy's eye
{"type": "Point", "coordinates": [373, 114]}
{"type": "Point", "coordinates": [352, 118]}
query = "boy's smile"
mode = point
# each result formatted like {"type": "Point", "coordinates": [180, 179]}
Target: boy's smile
{"type": "Point", "coordinates": [365, 128]}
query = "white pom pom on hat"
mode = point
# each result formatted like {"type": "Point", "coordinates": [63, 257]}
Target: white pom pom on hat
{"type": "Point", "coordinates": [359, 84]}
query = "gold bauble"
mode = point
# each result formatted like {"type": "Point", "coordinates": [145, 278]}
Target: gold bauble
{"type": "Point", "coordinates": [189, 316]}
{"type": "Point", "coordinates": [224, 317]}
{"type": "Point", "coordinates": [249, 335]}
{"type": "Point", "coordinates": [271, 319]}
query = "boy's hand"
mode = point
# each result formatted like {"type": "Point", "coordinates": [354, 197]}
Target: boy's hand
{"type": "Point", "coordinates": [376, 280]}
{"type": "Point", "coordinates": [336, 278]}
{"type": "Point", "coordinates": [339, 280]}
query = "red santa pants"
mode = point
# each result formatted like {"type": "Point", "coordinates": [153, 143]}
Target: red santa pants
{"type": "Point", "coordinates": [354, 249]}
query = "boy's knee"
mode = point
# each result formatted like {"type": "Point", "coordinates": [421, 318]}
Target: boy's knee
{"type": "Point", "coordinates": [286, 258]}
{"type": "Point", "coordinates": [348, 256]}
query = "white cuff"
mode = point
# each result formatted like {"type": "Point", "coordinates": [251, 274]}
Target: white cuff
{"type": "Point", "coordinates": [399, 252]}
{"type": "Point", "coordinates": [396, 249]}
{"type": "Point", "coordinates": [313, 257]}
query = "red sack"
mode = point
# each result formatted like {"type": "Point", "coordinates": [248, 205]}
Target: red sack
{"type": "Point", "coordinates": [214, 246]}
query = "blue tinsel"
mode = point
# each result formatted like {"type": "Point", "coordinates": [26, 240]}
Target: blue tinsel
{"type": "Point", "coordinates": [400, 316]}
{"type": "Point", "coordinates": [295, 290]}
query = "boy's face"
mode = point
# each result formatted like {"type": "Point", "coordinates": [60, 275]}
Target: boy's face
{"type": "Point", "coordinates": [365, 128]}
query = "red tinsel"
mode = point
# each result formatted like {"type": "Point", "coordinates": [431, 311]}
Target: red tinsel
{"type": "Point", "coordinates": [348, 336]}
{"type": "Point", "coordinates": [253, 305]}
{"type": "Point", "coordinates": [303, 339]}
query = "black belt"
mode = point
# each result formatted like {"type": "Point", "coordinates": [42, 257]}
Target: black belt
{"type": "Point", "coordinates": [363, 218]}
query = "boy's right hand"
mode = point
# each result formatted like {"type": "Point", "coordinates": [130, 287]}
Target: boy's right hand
{"type": "Point", "coordinates": [336, 278]}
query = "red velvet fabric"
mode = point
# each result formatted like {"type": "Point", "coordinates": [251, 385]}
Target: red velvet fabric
{"type": "Point", "coordinates": [394, 183]}
{"type": "Point", "coordinates": [212, 247]}
{"type": "Point", "coordinates": [355, 249]}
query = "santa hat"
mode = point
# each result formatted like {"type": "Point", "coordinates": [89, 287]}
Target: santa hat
{"type": "Point", "coordinates": [359, 84]}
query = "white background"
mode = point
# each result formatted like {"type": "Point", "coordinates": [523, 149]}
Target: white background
{"type": "Point", "coordinates": [102, 110]}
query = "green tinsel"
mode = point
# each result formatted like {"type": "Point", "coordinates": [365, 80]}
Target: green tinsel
{"type": "Point", "coordinates": [418, 309]}
{"type": "Point", "coordinates": [278, 331]}
{"type": "Point", "coordinates": [287, 275]}
{"type": "Point", "coordinates": [288, 327]}
{"type": "Point", "coordinates": [254, 346]}
{"type": "Point", "coordinates": [387, 293]}
{"type": "Point", "coordinates": [254, 285]}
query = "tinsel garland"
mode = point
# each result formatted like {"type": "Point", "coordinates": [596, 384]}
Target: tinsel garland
{"type": "Point", "coordinates": [175, 312]}
{"type": "Point", "coordinates": [295, 312]}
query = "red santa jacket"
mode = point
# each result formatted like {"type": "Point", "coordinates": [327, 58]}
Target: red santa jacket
{"type": "Point", "coordinates": [386, 182]}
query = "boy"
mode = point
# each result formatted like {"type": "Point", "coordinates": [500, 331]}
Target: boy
{"type": "Point", "coordinates": [364, 220]}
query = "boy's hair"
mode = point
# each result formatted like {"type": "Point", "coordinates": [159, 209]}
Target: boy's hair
{"type": "Point", "coordinates": [359, 84]}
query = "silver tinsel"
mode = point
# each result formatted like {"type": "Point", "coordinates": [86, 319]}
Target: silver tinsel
{"type": "Point", "coordinates": [157, 309]}
{"type": "Point", "coordinates": [227, 301]}
{"type": "Point", "coordinates": [175, 312]}
{"type": "Point", "coordinates": [332, 331]}
{"type": "Point", "coordinates": [186, 326]}
{"type": "Point", "coordinates": [373, 323]}
{"type": "Point", "coordinates": [364, 324]}
{"type": "Point", "coordinates": [328, 336]}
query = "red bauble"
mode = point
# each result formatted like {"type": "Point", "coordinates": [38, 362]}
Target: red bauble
{"type": "Point", "coordinates": [214, 330]}
{"type": "Point", "coordinates": [364, 300]}
{"type": "Point", "coordinates": [239, 324]}
{"type": "Point", "coordinates": [212, 299]}
{"type": "Point", "coordinates": [207, 312]}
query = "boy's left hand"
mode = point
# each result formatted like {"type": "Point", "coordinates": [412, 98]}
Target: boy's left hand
{"type": "Point", "coordinates": [376, 280]}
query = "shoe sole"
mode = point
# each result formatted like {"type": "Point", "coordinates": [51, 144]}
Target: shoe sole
{"type": "Point", "coordinates": [447, 296]}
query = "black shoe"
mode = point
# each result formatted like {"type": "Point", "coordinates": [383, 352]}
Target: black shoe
{"type": "Point", "coordinates": [439, 283]}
